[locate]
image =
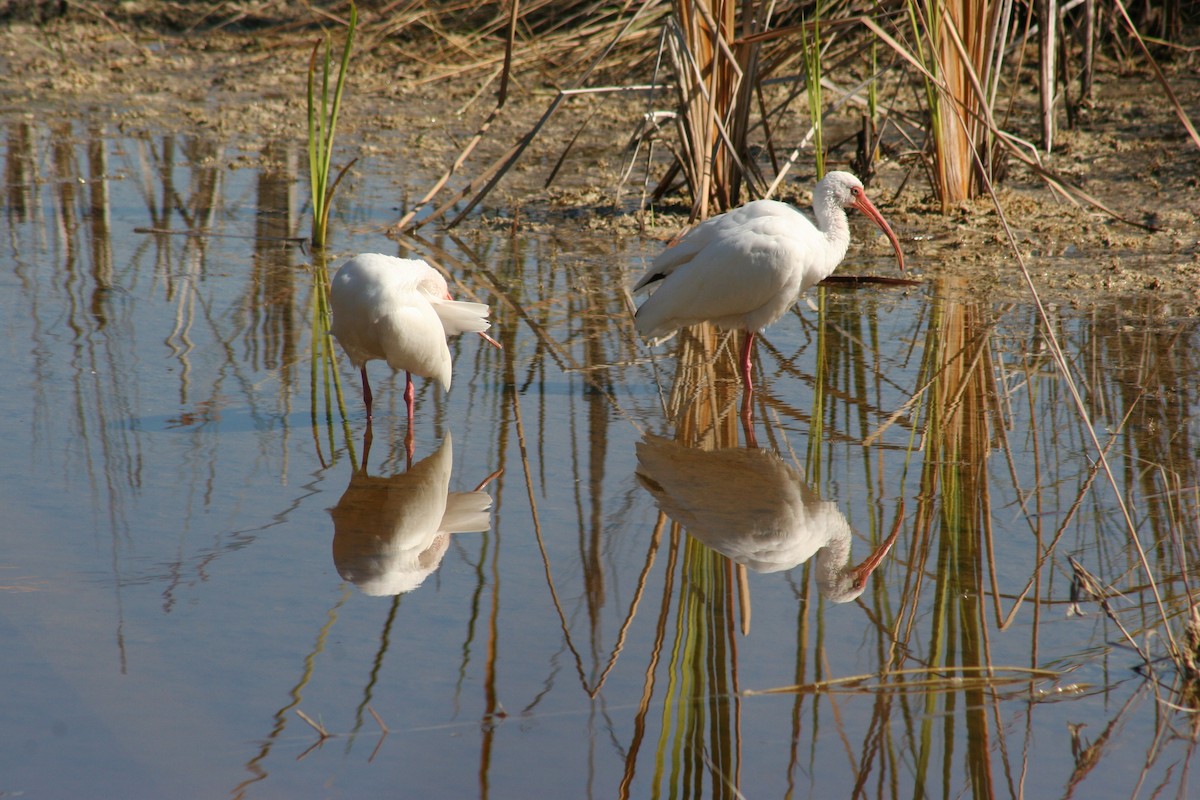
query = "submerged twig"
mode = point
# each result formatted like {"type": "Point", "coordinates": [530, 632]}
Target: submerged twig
{"type": "Point", "coordinates": [316, 726]}
{"type": "Point", "coordinates": [383, 733]}
{"type": "Point", "coordinates": [1086, 586]}
{"type": "Point", "coordinates": [980, 676]}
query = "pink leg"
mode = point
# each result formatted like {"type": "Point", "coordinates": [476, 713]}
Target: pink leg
{"type": "Point", "coordinates": [748, 423]}
{"type": "Point", "coordinates": [409, 401]}
{"type": "Point", "coordinates": [747, 411]}
{"type": "Point", "coordinates": [366, 390]}
{"type": "Point", "coordinates": [367, 439]}
{"type": "Point", "coordinates": [747, 349]}
{"type": "Point", "coordinates": [409, 396]}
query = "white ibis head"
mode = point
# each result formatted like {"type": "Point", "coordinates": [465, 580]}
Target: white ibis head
{"type": "Point", "coordinates": [847, 191]}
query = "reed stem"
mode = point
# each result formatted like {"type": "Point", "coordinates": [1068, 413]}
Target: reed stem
{"type": "Point", "coordinates": [322, 123]}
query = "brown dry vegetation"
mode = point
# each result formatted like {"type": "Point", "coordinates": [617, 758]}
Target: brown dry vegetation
{"type": "Point", "coordinates": [425, 77]}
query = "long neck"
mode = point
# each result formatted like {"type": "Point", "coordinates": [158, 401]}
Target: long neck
{"type": "Point", "coordinates": [831, 560]}
{"type": "Point", "coordinates": [832, 222]}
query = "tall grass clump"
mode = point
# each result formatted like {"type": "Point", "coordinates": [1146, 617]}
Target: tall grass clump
{"type": "Point", "coordinates": [732, 63]}
{"type": "Point", "coordinates": [322, 123]}
{"type": "Point", "coordinates": [714, 81]}
{"type": "Point", "coordinates": [960, 45]}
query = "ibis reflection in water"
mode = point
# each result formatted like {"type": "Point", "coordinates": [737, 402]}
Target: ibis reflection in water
{"type": "Point", "coordinates": [749, 505]}
{"type": "Point", "coordinates": [390, 533]}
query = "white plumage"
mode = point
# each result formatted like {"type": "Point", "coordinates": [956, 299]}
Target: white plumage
{"type": "Point", "coordinates": [399, 310]}
{"type": "Point", "coordinates": [391, 533]}
{"type": "Point", "coordinates": [743, 269]}
{"type": "Point", "coordinates": [750, 506]}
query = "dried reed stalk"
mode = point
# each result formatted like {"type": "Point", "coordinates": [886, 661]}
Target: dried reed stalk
{"type": "Point", "coordinates": [959, 43]}
{"type": "Point", "coordinates": [716, 70]}
{"type": "Point", "coordinates": [1047, 13]}
{"type": "Point", "coordinates": [930, 679]}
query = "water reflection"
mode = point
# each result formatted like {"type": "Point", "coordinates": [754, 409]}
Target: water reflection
{"type": "Point", "coordinates": [150, 280]}
{"type": "Point", "coordinates": [390, 533]}
{"type": "Point", "coordinates": [750, 506]}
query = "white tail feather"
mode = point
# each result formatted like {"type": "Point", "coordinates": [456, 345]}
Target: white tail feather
{"type": "Point", "coordinates": [461, 316]}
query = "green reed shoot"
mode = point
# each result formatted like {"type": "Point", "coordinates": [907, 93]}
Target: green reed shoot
{"type": "Point", "coordinates": [812, 66]}
{"type": "Point", "coordinates": [816, 429]}
{"type": "Point", "coordinates": [932, 99]}
{"type": "Point", "coordinates": [322, 122]}
{"type": "Point", "coordinates": [873, 85]}
{"type": "Point", "coordinates": [325, 384]}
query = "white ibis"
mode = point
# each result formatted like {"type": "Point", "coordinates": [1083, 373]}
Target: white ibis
{"type": "Point", "coordinates": [400, 310]}
{"type": "Point", "coordinates": [743, 269]}
{"type": "Point", "coordinates": [749, 505]}
{"type": "Point", "coordinates": [389, 534]}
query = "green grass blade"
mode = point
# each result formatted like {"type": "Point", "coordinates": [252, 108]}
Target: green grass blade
{"type": "Point", "coordinates": [322, 124]}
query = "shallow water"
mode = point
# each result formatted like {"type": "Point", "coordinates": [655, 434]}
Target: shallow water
{"type": "Point", "coordinates": [193, 553]}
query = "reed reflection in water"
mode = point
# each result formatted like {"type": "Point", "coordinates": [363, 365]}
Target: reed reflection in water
{"type": "Point", "coordinates": [179, 428]}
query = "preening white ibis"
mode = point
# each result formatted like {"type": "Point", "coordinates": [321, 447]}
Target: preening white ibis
{"type": "Point", "coordinates": [390, 533]}
{"type": "Point", "coordinates": [749, 505]}
{"type": "Point", "coordinates": [743, 269]}
{"type": "Point", "coordinates": [399, 310]}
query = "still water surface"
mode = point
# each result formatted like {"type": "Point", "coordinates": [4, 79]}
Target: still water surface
{"type": "Point", "coordinates": [202, 543]}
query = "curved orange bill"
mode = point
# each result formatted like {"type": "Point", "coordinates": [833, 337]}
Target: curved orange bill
{"type": "Point", "coordinates": [489, 479]}
{"type": "Point", "coordinates": [864, 570]}
{"type": "Point", "coordinates": [865, 205]}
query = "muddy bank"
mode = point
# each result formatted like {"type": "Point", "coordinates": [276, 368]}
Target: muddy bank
{"type": "Point", "coordinates": [1131, 153]}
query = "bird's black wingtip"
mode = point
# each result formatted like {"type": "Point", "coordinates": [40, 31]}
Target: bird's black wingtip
{"type": "Point", "coordinates": [648, 280]}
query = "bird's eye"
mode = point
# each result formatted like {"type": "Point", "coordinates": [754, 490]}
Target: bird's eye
{"type": "Point", "coordinates": [854, 190]}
